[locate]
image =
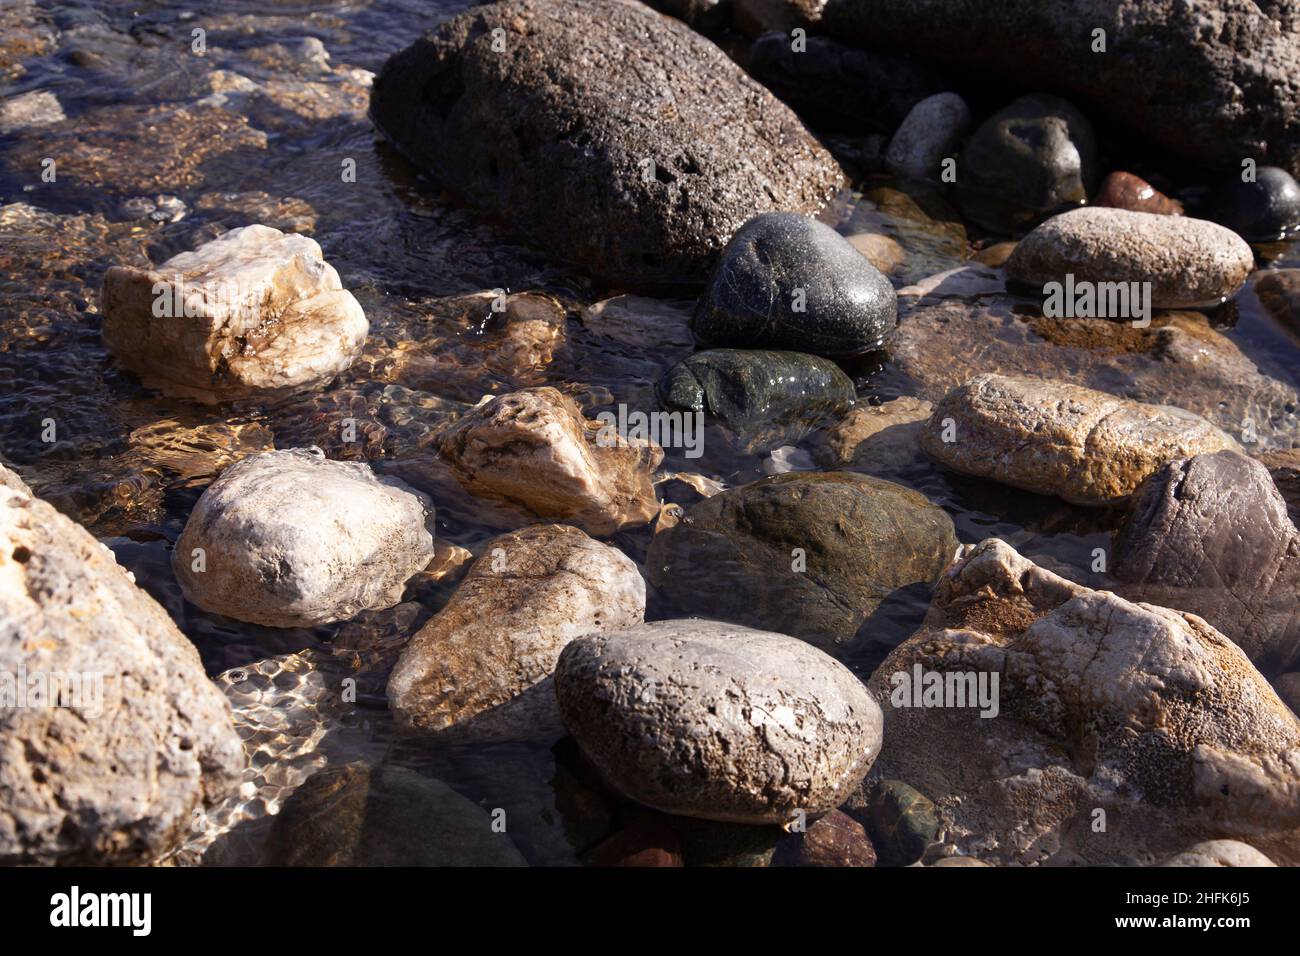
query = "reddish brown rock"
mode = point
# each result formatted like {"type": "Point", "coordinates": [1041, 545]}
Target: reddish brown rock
{"type": "Point", "coordinates": [647, 843]}
{"type": "Point", "coordinates": [835, 840]}
{"type": "Point", "coordinates": [1122, 190]}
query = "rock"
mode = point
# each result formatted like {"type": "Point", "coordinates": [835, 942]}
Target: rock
{"type": "Point", "coordinates": [1279, 293]}
{"type": "Point", "coordinates": [36, 108]}
{"type": "Point", "coordinates": [840, 87]}
{"type": "Point", "coordinates": [713, 844]}
{"type": "Point", "coordinates": [712, 720]}
{"type": "Point", "coordinates": [1220, 853]}
{"type": "Point", "coordinates": [1199, 81]}
{"type": "Point", "coordinates": [903, 823]}
{"type": "Point", "coordinates": [1146, 714]}
{"type": "Point", "coordinates": [881, 251]}
{"type": "Point", "coordinates": [959, 861]}
{"type": "Point", "coordinates": [931, 132]}
{"type": "Point", "coordinates": [1086, 447]}
{"type": "Point", "coordinates": [1122, 190]}
{"type": "Point", "coordinates": [1263, 210]}
{"type": "Point", "coordinates": [112, 738]}
{"type": "Point", "coordinates": [291, 539]}
{"type": "Point", "coordinates": [996, 255]}
{"type": "Point", "coordinates": [1211, 535]}
{"type": "Point", "coordinates": [1026, 161]}
{"type": "Point", "coordinates": [252, 311]}
{"type": "Point", "coordinates": [647, 843]}
{"type": "Point", "coordinates": [875, 439]}
{"type": "Point", "coordinates": [1288, 688]}
{"type": "Point", "coordinates": [789, 282]}
{"type": "Point", "coordinates": [383, 815]}
{"type": "Point", "coordinates": [1284, 466]}
{"type": "Point", "coordinates": [612, 136]}
{"type": "Point", "coordinates": [756, 17]}
{"type": "Point", "coordinates": [707, 16]}
{"type": "Point", "coordinates": [759, 395]}
{"type": "Point", "coordinates": [1179, 360]}
{"type": "Point", "coordinates": [835, 840]}
{"type": "Point", "coordinates": [1189, 262]}
{"type": "Point", "coordinates": [534, 449]}
{"type": "Point", "coordinates": [479, 669]}
{"type": "Point", "coordinates": [810, 553]}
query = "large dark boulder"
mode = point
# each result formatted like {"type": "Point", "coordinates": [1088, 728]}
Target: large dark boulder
{"type": "Point", "coordinates": [614, 137]}
{"type": "Point", "coordinates": [1215, 82]}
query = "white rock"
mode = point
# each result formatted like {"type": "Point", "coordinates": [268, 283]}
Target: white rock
{"type": "Point", "coordinates": [37, 108]}
{"type": "Point", "coordinates": [1220, 853]}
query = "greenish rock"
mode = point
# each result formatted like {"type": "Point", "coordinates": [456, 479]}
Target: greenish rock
{"type": "Point", "coordinates": [764, 397]}
{"type": "Point", "coordinates": [363, 815]}
{"type": "Point", "coordinates": [810, 554]}
{"type": "Point", "coordinates": [902, 822]}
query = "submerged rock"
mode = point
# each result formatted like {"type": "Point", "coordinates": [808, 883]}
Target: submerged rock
{"type": "Point", "coordinates": [754, 392]}
{"type": "Point", "coordinates": [1263, 210]}
{"type": "Point", "coordinates": [904, 822]}
{"type": "Point", "coordinates": [112, 738]}
{"type": "Point", "coordinates": [1026, 161]}
{"type": "Point", "coordinates": [876, 439]}
{"type": "Point", "coordinates": [712, 720]}
{"type": "Point", "coordinates": [789, 282]}
{"type": "Point", "coordinates": [255, 310]}
{"type": "Point", "coordinates": [809, 553]}
{"type": "Point", "coordinates": [1189, 262]}
{"type": "Point", "coordinates": [930, 133]}
{"type": "Point", "coordinates": [615, 137]}
{"type": "Point", "coordinates": [1086, 447]}
{"type": "Point", "coordinates": [291, 539]}
{"type": "Point", "coordinates": [35, 108]}
{"type": "Point", "coordinates": [1122, 190]}
{"type": "Point", "coordinates": [1211, 535]}
{"type": "Point", "coordinates": [534, 449]}
{"type": "Point", "coordinates": [480, 669]}
{"type": "Point", "coordinates": [1279, 293]}
{"type": "Point", "coordinates": [1146, 714]}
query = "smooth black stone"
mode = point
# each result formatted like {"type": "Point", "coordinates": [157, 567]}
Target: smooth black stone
{"type": "Point", "coordinates": [1263, 211]}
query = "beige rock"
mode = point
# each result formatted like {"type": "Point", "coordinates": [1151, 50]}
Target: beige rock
{"type": "Point", "coordinates": [875, 439]}
{"type": "Point", "coordinates": [36, 108]}
{"type": "Point", "coordinates": [1189, 262]}
{"type": "Point", "coordinates": [1083, 446]}
{"type": "Point", "coordinates": [534, 448]}
{"type": "Point", "coordinates": [881, 251]}
{"type": "Point", "coordinates": [251, 311]}
{"type": "Point", "coordinates": [1220, 853]}
{"type": "Point", "coordinates": [1145, 713]}
{"type": "Point", "coordinates": [480, 669]}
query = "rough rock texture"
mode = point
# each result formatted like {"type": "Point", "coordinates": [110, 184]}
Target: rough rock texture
{"type": "Point", "coordinates": [1121, 190]}
{"type": "Point", "coordinates": [1189, 262]}
{"type": "Point", "coordinates": [875, 439]}
{"type": "Point", "coordinates": [613, 136]}
{"type": "Point", "coordinates": [1025, 161]}
{"type": "Point", "coordinates": [1083, 446]}
{"type": "Point", "coordinates": [789, 282]}
{"type": "Point", "coordinates": [144, 740]}
{"type": "Point", "coordinates": [1220, 853]}
{"type": "Point", "coordinates": [534, 449]}
{"type": "Point", "coordinates": [384, 815]}
{"type": "Point", "coordinates": [858, 539]}
{"type": "Point", "coordinates": [479, 669]}
{"type": "Point", "coordinates": [835, 840]}
{"type": "Point", "coordinates": [755, 17]}
{"type": "Point", "coordinates": [1143, 712]}
{"type": "Point", "coordinates": [254, 310]}
{"type": "Point", "coordinates": [1213, 82]}
{"type": "Point", "coordinates": [1211, 535]}
{"type": "Point", "coordinates": [930, 133]}
{"type": "Point", "coordinates": [35, 108]}
{"type": "Point", "coordinates": [292, 539]}
{"type": "Point", "coordinates": [718, 721]}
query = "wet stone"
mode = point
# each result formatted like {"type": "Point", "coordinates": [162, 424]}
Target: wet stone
{"type": "Point", "coordinates": [1262, 210]}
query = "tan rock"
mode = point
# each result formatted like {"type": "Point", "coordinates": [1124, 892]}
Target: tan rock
{"type": "Point", "coordinates": [1220, 853]}
{"type": "Point", "coordinates": [881, 251]}
{"type": "Point", "coordinates": [875, 439]}
{"type": "Point", "coordinates": [1083, 446]}
{"type": "Point", "coordinates": [534, 448]}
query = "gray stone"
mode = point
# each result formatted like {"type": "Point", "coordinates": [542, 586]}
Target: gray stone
{"type": "Point", "coordinates": [931, 132]}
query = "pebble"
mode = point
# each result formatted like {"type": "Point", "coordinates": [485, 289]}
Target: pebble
{"type": "Point", "coordinates": [1121, 190]}
{"type": "Point", "coordinates": [931, 132]}
{"type": "Point", "coordinates": [835, 840]}
{"type": "Point", "coordinates": [35, 108]}
{"type": "Point", "coordinates": [904, 822]}
{"type": "Point", "coordinates": [1263, 210]}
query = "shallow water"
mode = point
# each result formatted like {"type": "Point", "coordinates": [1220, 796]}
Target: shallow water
{"type": "Point", "coordinates": [143, 120]}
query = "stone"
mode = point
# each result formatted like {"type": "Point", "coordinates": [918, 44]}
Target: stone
{"type": "Point", "coordinates": [112, 738]}
{"type": "Point", "coordinates": [834, 840]}
{"type": "Point", "coordinates": [1265, 209]}
{"type": "Point", "coordinates": [1083, 446]}
{"type": "Point", "coordinates": [1220, 853]}
{"type": "Point", "coordinates": [881, 251]}
{"type": "Point", "coordinates": [948, 861]}
{"type": "Point", "coordinates": [756, 17]}
{"type": "Point", "coordinates": [707, 16]}
{"type": "Point", "coordinates": [1026, 161]}
{"type": "Point", "coordinates": [1211, 535]}
{"type": "Point", "coordinates": [254, 311]}
{"type": "Point", "coordinates": [291, 539]}
{"type": "Point", "coordinates": [361, 814]}
{"type": "Point", "coordinates": [788, 282]}
{"type": "Point", "coordinates": [876, 439]}
{"type": "Point", "coordinates": [904, 822]}
{"type": "Point", "coordinates": [1279, 293]}
{"type": "Point", "coordinates": [35, 108]}
{"type": "Point", "coordinates": [479, 669]}
{"type": "Point", "coordinates": [1144, 713]}
{"type": "Point", "coordinates": [812, 554]}
{"type": "Point", "coordinates": [612, 136]}
{"type": "Point", "coordinates": [770, 396]}
{"type": "Point", "coordinates": [840, 87]}
{"type": "Point", "coordinates": [1189, 262]}
{"type": "Point", "coordinates": [712, 720]}
{"type": "Point", "coordinates": [646, 843]}
{"type": "Point", "coordinates": [1121, 190]}
{"type": "Point", "coordinates": [535, 450]}
{"type": "Point", "coordinates": [931, 132]}
{"type": "Point", "coordinates": [1199, 81]}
